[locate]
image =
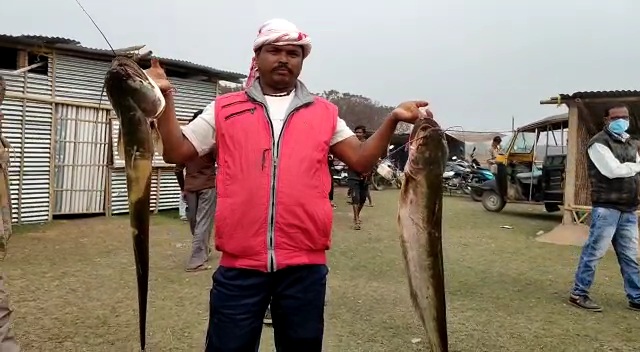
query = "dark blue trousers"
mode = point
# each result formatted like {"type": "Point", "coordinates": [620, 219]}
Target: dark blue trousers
{"type": "Point", "coordinates": [239, 300]}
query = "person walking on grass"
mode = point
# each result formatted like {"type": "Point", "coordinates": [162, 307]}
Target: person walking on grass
{"type": "Point", "coordinates": [273, 218]}
{"type": "Point", "coordinates": [613, 165]}
{"type": "Point", "coordinates": [330, 162]}
{"type": "Point", "coordinates": [200, 195]}
{"type": "Point", "coordinates": [359, 185]}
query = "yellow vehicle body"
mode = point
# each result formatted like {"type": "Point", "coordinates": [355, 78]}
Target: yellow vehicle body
{"type": "Point", "coordinates": [520, 178]}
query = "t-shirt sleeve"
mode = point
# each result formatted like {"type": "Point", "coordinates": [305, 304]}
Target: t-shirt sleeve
{"type": "Point", "coordinates": [201, 132]}
{"type": "Point", "coordinates": [342, 132]}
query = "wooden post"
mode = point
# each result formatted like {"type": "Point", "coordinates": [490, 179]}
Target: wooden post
{"type": "Point", "coordinates": [570, 167]}
{"type": "Point", "coordinates": [107, 192]}
{"type": "Point", "coordinates": [54, 134]}
{"type": "Point", "coordinates": [158, 178]}
{"type": "Point", "coordinates": [22, 140]}
{"type": "Point", "coordinates": [23, 59]}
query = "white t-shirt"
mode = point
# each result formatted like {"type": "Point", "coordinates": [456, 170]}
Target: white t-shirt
{"type": "Point", "coordinates": [201, 131]}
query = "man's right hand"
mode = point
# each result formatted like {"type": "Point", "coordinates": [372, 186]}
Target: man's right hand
{"type": "Point", "coordinates": [156, 72]}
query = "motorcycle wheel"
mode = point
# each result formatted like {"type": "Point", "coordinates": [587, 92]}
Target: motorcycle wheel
{"type": "Point", "coordinates": [378, 182]}
{"type": "Point", "coordinates": [476, 196]}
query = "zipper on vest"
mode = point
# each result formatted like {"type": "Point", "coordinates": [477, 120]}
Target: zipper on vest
{"type": "Point", "coordinates": [237, 113]}
{"type": "Point", "coordinates": [233, 103]}
{"type": "Point", "coordinates": [271, 254]}
{"type": "Point", "coordinates": [275, 143]}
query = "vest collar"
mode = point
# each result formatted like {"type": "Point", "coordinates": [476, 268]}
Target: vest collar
{"type": "Point", "coordinates": [301, 96]}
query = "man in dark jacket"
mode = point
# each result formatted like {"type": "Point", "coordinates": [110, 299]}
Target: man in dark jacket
{"type": "Point", "coordinates": [200, 193]}
{"type": "Point", "coordinates": [613, 170]}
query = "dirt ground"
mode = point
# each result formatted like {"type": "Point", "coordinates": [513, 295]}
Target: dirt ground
{"type": "Point", "coordinates": [73, 286]}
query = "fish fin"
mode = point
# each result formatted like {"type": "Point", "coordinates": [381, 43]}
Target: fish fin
{"type": "Point", "coordinates": [155, 137]}
{"type": "Point", "coordinates": [120, 146]}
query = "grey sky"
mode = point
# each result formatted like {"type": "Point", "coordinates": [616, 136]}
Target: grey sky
{"type": "Point", "coordinates": [477, 62]}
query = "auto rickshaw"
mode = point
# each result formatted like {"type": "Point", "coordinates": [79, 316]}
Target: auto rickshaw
{"type": "Point", "coordinates": [522, 179]}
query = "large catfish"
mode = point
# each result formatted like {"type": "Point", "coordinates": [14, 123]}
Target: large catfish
{"type": "Point", "coordinates": [420, 222]}
{"type": "Point", "coordinates": [137, 101]}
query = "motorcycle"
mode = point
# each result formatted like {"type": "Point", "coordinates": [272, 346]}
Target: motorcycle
{"type": "Point", "coordinates": [339, 173]}
{"type": "Point", "coordinates": [387, 174]}
{"type": "Point", "coordinates": [479, 175]}
{"type": "Point", "coordinates": [456, 176]}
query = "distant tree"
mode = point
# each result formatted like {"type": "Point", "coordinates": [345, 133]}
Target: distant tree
{"type": "Point", "coordinates": [359, 110]}
{"type": "Point", "coordinates": [356, 109]}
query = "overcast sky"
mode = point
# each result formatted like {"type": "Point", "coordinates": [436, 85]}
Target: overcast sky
{"type": "Point", "coordinates": [477, 62]}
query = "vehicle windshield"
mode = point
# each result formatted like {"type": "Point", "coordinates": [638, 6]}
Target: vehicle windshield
{"type": "Point", "coordinates": [524, 142]}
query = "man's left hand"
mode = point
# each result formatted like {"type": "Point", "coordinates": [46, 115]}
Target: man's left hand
{"type": "Point", "coordinates": [408, 111]}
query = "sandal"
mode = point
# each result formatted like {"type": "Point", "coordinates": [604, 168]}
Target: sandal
{"type": "Point", "coordinates": [356, 226]}
{"type": "Point", "coordinates": [201, 267]}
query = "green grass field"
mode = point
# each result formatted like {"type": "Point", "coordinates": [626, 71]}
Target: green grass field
{"type": "Point", "coordinates": [72, 284]}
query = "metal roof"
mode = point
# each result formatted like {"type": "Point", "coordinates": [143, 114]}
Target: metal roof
{"type": "Point", "coordinates": [555, 122]}
{"type": "Point", "coordinates": [71, 45]}
{"type": "Point", "coordinates": [602, 94]}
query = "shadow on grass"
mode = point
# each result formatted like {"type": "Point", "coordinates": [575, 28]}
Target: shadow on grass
{"type": "Point", "coordinates": [555, 218]}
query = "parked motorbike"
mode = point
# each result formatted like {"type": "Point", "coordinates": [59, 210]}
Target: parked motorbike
{"type": "Point", "coordinates": [479, 175]}
{"type": "Point", "coordinates": [339, 173]}
{"type": "Point", "coordinates": [387, 174]}
{"type": "Point", "coordinates": [456, 176]}
{"type": "Point", "coordinates": [461, 175]}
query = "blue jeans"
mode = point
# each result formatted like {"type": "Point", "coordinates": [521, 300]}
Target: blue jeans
{"type": "Point", "coordinates": [239, 300]}
{"type": "Point", "coordinates": [621, 230]}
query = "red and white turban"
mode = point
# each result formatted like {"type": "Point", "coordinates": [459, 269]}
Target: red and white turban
{"type": "Point", "coordinates": [277, 32]}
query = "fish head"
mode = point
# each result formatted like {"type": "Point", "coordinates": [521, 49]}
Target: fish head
{"type": "Point", "coordinates": [428, 146]}
{"type": "Point", "coordinates": [126, 81]}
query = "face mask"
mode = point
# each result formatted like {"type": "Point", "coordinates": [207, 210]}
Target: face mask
{"type": "Point", "coordinates": [619, 126]}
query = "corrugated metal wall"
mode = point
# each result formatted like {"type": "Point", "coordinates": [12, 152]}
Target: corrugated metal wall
{"type": "Point", "coordinates": [82, 147]}
{"type": "Point", "coordinates": [190, 96]}
{"type": "Point", "coordinates": [81, 159]}
{"type": "Point", "coordinates": [169, 190]}
{"type": "Point", "coordinates": [119, 200]}
{"type": "Point", "coordinates": [27, 126]}
{"type": "Point", "coordinates": [81, 80]}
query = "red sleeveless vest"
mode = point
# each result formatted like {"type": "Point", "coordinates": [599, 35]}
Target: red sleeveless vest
{"type": "Point", "coordinates": [273, 209]}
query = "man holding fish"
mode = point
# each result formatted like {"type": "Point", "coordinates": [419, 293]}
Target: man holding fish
{"type": "Point", "coordinates": [273, 218]}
